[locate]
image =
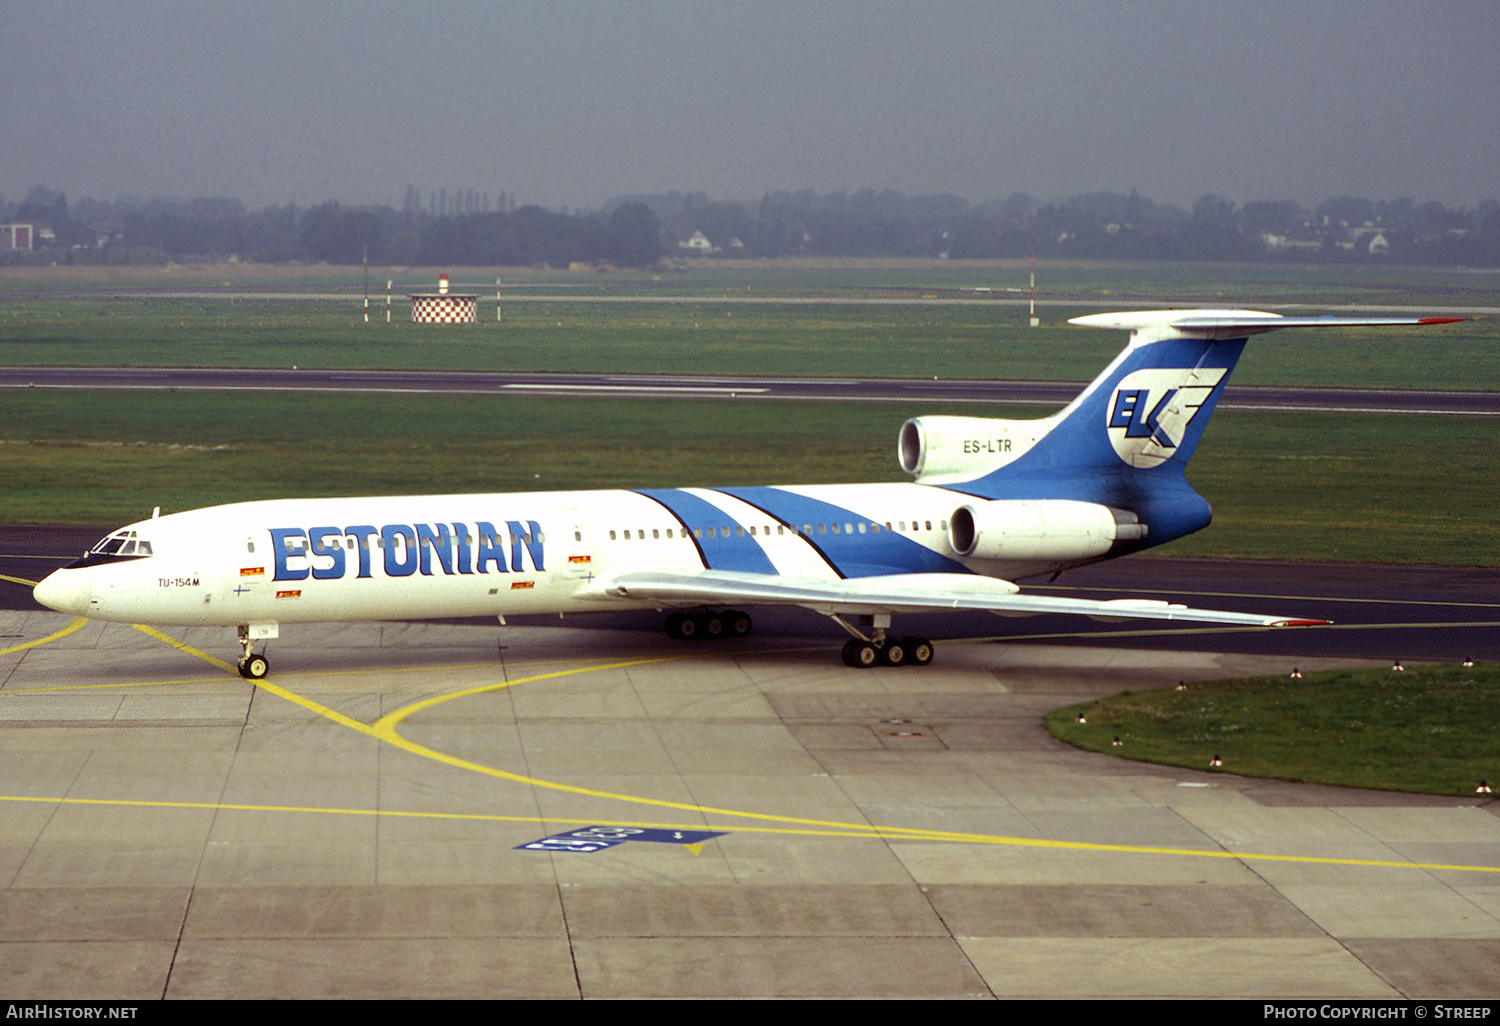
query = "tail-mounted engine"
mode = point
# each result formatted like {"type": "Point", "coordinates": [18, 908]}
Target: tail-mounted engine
{"type": "Point", "coordinates": [1042, 529]}
{"type": "Point", "coordinates": [938, 450]}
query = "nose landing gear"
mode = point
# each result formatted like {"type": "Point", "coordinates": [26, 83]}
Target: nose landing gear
{"type": "Point", "coordinates": [254, 665]}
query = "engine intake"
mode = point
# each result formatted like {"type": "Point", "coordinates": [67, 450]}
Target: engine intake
{"type": "Point", "coordinates": [958, 448]}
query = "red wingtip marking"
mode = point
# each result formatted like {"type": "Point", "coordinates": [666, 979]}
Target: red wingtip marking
{"type": "Point", "coordinates": [1303, 623]}
{"type": "Point", "coordinates": [1441, 320]}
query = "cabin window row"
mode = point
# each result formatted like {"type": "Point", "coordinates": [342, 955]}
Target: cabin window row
{"type": "Point", "coordinates": [727, 531]}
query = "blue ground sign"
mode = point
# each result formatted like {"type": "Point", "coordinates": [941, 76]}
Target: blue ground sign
{"type": "Point", "coordinates": [597, 838]}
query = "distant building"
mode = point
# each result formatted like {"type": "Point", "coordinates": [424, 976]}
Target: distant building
{"type": "Point", "coordinates": [107, 230]}
{"type": "Point", "coordinates": [1369, 237]}
{"type": "Point", "coordinates": [1280, 243]}
{"type": "Point", "coordinates": [697, 243]}
{"type": "Point", "coordinates": [16, 236]}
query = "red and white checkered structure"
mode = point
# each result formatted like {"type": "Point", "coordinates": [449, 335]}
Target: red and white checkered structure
{"type": "Point", "coordinates": [444, 308]}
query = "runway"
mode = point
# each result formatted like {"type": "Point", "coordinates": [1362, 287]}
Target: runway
{"type": "Point", "coordinates": [373, 820]}
{"type": "Point", "coordinates": [662, 386]}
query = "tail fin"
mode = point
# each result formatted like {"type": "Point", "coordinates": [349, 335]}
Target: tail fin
{"type": "Point", "coordinates": [1153, 402]}
{"type": "Point", "coordinates": [1149, 406]}
{"type": "Point", "coordinates": [1127, 437]}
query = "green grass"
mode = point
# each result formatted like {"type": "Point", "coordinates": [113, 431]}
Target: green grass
{"type": "Point", "coordinates": [1205, 283]}
{"type": "Point", "coordinates": [1346, 487]}
{"type": "Point", "coordinates": [89, 321]}
{"type": "Point", "coordinates": [708, 338]}
{"type": "Point", "coordinates": [1429, 729]}
{"type": "Point", "coordinates": [110, 457]}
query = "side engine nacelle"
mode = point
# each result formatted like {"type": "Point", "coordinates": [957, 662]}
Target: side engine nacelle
{"type": "Point", "coordinates": [1040, 529]}
{"type": "Point", "coordinates": [939, 449]}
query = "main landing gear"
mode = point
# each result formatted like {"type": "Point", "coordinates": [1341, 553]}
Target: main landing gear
{"type": "Point", "coordinates": [706, 624]}
{"type": "Point", "coordinates": [880, 648]}
{"type": "Point", "coordinates": [887, 651]}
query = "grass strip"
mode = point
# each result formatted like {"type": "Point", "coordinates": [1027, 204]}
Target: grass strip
{"type": "Point", "coordinates": [1428, 729]}
{"type": "Point", "coordinates": [849, 335]}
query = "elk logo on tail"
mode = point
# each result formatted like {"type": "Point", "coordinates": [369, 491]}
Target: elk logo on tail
{"type": "Point", "coordinates": [1152, 409]}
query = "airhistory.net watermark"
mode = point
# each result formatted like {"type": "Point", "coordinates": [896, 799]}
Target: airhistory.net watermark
{"type": "Point", "coordinates": [56, 1010]}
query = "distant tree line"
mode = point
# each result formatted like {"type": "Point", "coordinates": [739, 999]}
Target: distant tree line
{"type": "Point", "coordinates": [644, 230]}
{"type": "Point", "coordinates": [155, 231]}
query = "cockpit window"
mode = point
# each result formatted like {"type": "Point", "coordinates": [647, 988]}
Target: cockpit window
{"type": "Point", "coordinates": [121, 544]}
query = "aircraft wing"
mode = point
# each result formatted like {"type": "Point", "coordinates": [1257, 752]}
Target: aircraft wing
{"type": "Point", "coordinates": [898, 593]}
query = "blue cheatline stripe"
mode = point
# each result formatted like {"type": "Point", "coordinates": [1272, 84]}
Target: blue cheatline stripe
{"type": "Point", "coordinates": [724, 543]}
{"type": "Point", "coordinates": [870, 553]}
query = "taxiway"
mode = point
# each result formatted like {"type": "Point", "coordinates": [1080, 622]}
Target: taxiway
{"type": "Point", "coordinates": [371, 820]}
{"type": "Point", "coordinates": [687, 386]}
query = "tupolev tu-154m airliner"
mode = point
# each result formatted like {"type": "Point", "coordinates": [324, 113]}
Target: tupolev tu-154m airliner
{"type": "Point", "coordinates": [992, 501]}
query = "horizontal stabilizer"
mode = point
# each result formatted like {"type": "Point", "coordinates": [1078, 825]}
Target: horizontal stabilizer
{"type": "Point", "coordinates": [901, 593]}
{"type": "Point", "coordinates": [1158, 324]}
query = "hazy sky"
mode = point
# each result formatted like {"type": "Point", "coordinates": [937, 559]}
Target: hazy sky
{"type": "Point", "coordinates": [570, 102]}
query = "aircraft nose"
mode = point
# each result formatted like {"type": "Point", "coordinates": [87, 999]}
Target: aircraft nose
{"type": "Point", "coordinates": [67, 591]}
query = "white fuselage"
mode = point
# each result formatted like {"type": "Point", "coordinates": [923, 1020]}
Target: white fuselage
{"type": "Point", "coordinates": [305, 560]}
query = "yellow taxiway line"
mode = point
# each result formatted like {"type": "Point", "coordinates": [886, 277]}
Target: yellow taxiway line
{"type": "Point", "coordinates": [385, 730]}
